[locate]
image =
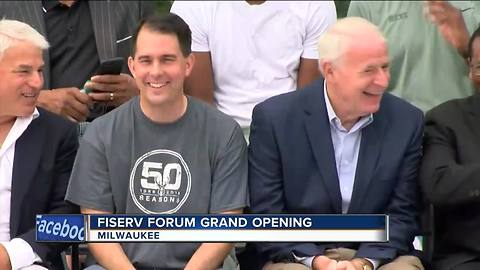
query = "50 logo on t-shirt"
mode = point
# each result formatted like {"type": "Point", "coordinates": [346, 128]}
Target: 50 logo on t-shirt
{"type": "Point", "coordinates": [154, 179]}
{"type": "Point", "coordinates": [160, 182]}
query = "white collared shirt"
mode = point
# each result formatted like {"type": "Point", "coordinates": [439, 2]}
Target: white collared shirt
{"type": "Point", "coordinates": [20, 252]}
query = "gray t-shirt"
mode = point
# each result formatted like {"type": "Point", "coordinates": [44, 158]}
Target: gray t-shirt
{"type": "Point", "coordinates": [128, 164]}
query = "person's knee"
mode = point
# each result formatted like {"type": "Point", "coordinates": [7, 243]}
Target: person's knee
{"type": "Point", "coordinates": [285, 266]}
{"type": "Point", "coordinates": [403, 263]}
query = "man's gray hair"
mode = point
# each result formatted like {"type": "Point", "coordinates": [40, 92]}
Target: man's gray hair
{"type": "Point", "coordinates": [12, 31]}
{"type": "Point", "coordinates": [336, 40]}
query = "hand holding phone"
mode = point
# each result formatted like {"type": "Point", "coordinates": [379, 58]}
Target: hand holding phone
{"type": "Point", "coordinates": [112, 89]}
{"type": "Point", "coordinates": [111, 66]}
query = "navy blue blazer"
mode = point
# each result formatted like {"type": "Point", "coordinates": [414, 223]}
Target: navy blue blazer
{"type": "Point", "coordinates": [292, 169]}
{"type": "Point", "coordinates": [43, 161]}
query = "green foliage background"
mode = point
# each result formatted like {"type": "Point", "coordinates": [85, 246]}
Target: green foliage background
{"type": "Point", "coordinates": [342, 7]}
{"type": "Point", "coordinates": [163, 6]}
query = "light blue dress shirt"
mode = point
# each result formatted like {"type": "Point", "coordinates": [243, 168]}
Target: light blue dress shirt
{"type": "Point", "coordinates": [346, 145]}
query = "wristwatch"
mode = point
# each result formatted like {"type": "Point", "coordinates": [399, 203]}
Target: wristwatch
{"type": "Point", "coordinates": [367, 266]}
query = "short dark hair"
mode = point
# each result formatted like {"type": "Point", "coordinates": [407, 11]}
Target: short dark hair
{"type": "Point", "coordinates": [474, 36]}
{"type": "Point", "coordinates": [168, 24]}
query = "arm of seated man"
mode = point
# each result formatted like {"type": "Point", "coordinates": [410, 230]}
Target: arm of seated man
{"type": "Point", "coordinates": [200, 82]}
{"type": "Point", "coordinates": [108, 255]}
{"type": "Point", "coordinates": [68, 102]}
{"type": "Point", "coordinates": [211, 255]}
{"type": "Point", "coordinates": [307, 72]}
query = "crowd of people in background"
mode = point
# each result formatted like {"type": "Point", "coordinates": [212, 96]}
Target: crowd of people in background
{"type": "Point", "coordinates": [227, 107]}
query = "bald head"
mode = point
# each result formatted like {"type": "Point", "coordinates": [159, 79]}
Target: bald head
{"type": "Point", "coordinates": [335, 42]}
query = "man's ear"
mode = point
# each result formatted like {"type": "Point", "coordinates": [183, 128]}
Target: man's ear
{"type": "Point", "coordinates": [131, 66]}
{"type": "Point", "coordinates": [190, 62]}
{"type": "Point", "coordinates": [326, 68]}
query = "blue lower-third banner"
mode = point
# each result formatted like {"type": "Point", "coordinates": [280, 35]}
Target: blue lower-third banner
{"type": "Point", "coordinates": [213, 228]}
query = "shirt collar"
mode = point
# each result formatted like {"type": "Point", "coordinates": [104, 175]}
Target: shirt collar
{"type": "Point", "coordinates": [335, 121]}
{"type": "Point", "coordinates": [35, 113]}
{"type": "Point", "coordinates": [30, 117]}
{"type": "Point", "coordinates": [331, 113]}
{"type": "Point", "coordinates": [49, 4]}
{"type": "Point", "coordinates": [20, 125]}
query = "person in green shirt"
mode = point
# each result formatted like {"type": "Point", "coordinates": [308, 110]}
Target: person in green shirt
{"type": "Point", "coordinates": [427, 43]}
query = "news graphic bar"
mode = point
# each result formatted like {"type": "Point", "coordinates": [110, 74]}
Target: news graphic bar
{"type": "Point", "coordinates": [212, 228]}
{"type": "Point", "coordinates": [237, 228]}
{"type": "Point", "coordinates": [60, 228]}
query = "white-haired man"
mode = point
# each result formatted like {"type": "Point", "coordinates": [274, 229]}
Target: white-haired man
{"type": "Point", "coordinates": [37, 150]}
{"type": "Point", "coordinates": [340, 146]}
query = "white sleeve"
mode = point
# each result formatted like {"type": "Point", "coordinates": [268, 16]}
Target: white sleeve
{"type": "Point", "coordinates": [307, 261]}
{"type": "Point", "coordinates": [21, 253]}
{"type": "Point", "coordinates": [321, 15]}
{"type": "Point", "coordinates": [196, 14]}
{"type": "Point", "coordinates": [374, 262]}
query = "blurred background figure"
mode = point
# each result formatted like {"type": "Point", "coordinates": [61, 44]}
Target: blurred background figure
{"type": "Point", "coordinates": [427, 45]}
{"type": "Point", "coordinates": [248, 51]}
